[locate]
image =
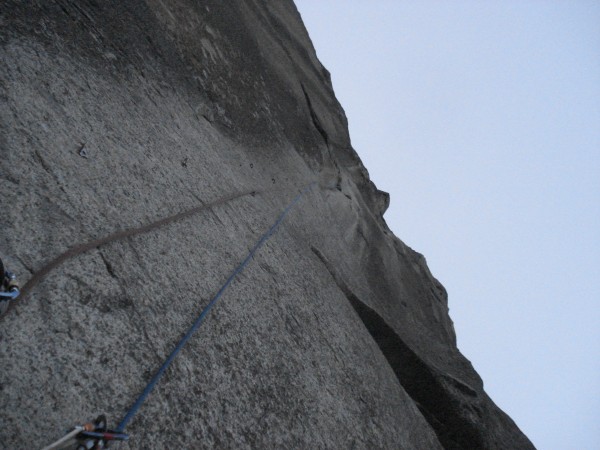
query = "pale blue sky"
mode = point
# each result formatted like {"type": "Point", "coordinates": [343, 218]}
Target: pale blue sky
{"type": "Point", "coordinates": [482, 120]}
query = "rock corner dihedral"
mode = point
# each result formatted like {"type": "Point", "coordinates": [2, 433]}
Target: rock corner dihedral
{"type": "Point", "coordinates": [123, 127]}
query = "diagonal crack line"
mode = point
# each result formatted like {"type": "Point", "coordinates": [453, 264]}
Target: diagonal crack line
{"type": "Point", "coordinates": [425, 385]}
{"type": "Point", "coordinates": [109, 267]}
{"type": "Point", "coordinates": [315, 119]}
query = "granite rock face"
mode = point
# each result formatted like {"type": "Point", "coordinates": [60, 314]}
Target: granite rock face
{"type": "Point", "coordinates": [116, 114]}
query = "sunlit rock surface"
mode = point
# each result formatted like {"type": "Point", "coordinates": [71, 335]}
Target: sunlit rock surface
{"type": "Point", "coordinates": [114, 114]}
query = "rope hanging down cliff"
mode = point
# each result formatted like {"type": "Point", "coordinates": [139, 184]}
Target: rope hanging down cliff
{"type": "Point", "coordinates": [117, 236]}
{"type": "Point", "coordinates": [81, 433]}
{"type": "Point", "coordinates": [159, 373]}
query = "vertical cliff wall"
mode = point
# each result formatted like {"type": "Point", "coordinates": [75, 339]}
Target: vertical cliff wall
{"type": "Point", "coordinates": [116, 114]}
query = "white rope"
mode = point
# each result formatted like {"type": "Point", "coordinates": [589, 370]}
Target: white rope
{"type": "Point", "coordinates": [56, 445]}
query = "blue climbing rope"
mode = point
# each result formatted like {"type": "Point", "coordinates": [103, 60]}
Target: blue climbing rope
{"type": "Point", "coordinates": [159, 373]}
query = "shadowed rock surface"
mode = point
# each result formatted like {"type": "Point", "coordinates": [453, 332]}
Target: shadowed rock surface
{"type": "Point", "coordinates": [117, 114]}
